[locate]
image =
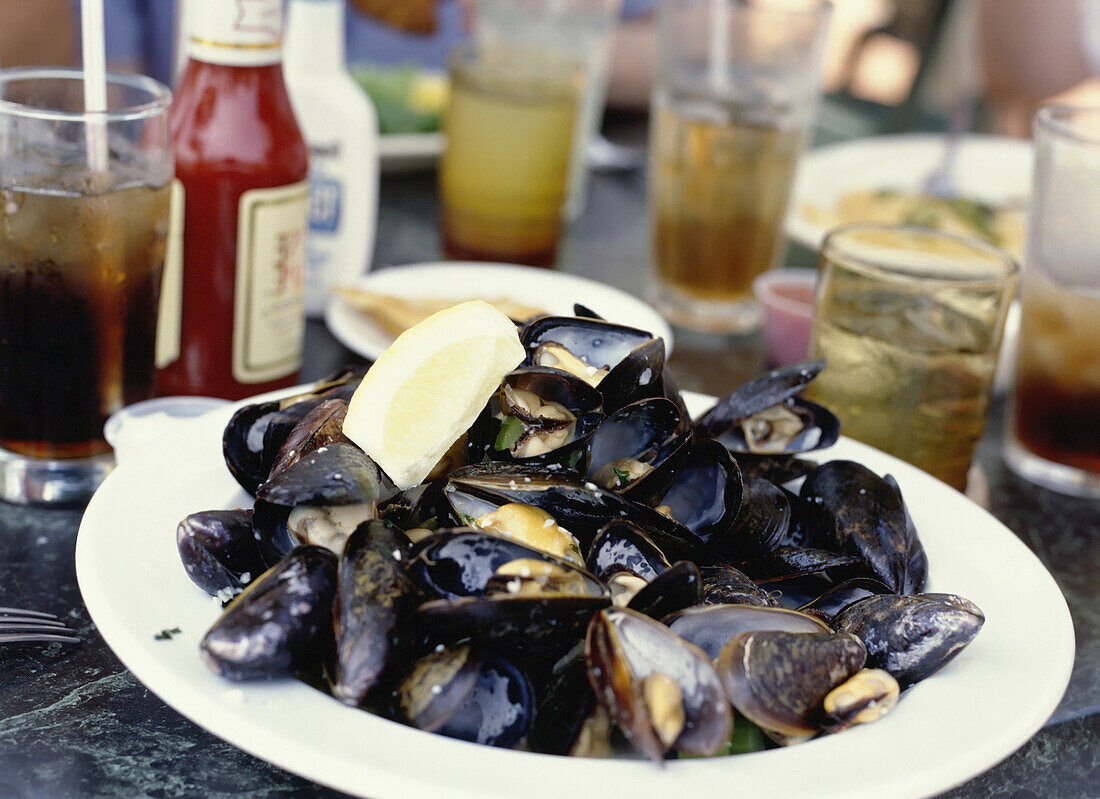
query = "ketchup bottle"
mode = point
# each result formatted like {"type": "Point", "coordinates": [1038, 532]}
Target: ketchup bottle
{"type": "Point", "coordinates": [232, 314]}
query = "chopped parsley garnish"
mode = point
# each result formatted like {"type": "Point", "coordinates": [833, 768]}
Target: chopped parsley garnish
{"type": "Point", "coordinates": [166, 634]}
{"type": "Point", "coordinates": [467, 520]}
{"type": "Point", "coordinates": [623, 477]}
{"type": "Point", "coordinates": [511, 430]}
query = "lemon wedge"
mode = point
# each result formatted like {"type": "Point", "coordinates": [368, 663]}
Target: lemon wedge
{"type": "Point", "coordinates": [426, 389]}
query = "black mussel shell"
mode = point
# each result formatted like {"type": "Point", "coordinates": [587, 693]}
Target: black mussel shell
{"type": "Point", "coordinates": [281, 625]}
{"type": "Point", "coordinates": [793, 575]}
{"type": "Point", "coordinates": [840, 596]}
{"type": "Point", "coordinates": [422, 506]}
{"type": "Point", "coordinates": [374, 599]}
{"type": "Point", "coordinates": [219, 551]}
{"type": "Point", "coordinates": [566, 708]}
{"type": "Point", "coordinates": [622, 546]}
{"type": "Point", "coordinates": [710, 627]}
{"type": "Point", "coordinates": [627, 652]}
{"type": "Point", "coordinates": [761, 522]}
{"type": "Point", "coordinates": [243, 444]}
{"type": "Point", "coordinates": [577, 504]}
{"type": "Point", "coordinates": [779, 680]}
{"type": "Point", "coordinates": [677, 587]}
{"type": "Point", "coordinates": [636, 432]}
{"type": "Point", "coordinates": [462, 695]}
{"type": "Point", "coordinates": [804, 529]}
{"type": "Point", "coordinates": [911, 637]}
{"type": "Point", "coordinates": [636, 377]}
{"type": "Point", "coordinates": [725, 585]}
{"type": "Point", "coordinates": [459, 562]}
{"type": "Point", "coordinates": [320, 426]}
{"type": "Point", "coordinates": [794, 425]}
{"type": "Point", "coordinates": [705, 492]}
{"type": "Point", "coordinates": [550, 386]}
{"type": "Point", "coordinates": [864, 515]}
{"type": "Point", "coordinates": [778, 469]}
{"type": "Point", "coordinates": [337, 474]}
{"type": "Point", "coordinates": [585, 311]}
{"type": "Point", "coordinates": [757, 395]}
{"type": "Point", "coordinates": [671, 392]}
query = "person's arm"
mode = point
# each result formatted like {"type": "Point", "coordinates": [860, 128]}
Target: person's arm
{"type": "Point", "coordinates": [37, 33]}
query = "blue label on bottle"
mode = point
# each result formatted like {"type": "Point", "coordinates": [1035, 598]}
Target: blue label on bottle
{"type": "Point", "coordinates": [325, 195]}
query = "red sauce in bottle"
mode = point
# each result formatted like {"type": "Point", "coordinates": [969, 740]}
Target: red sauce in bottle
{"type": "Point", "coordinates": [234, 130]}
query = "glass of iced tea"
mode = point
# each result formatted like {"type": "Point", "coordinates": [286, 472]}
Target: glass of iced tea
{"type": "Point", "coordinates": [509, 123]}
{"type": "Point", "coordinates": [1053, 435]}
{"type": "Point", "coordinates": [910, 321]}
{"type": "Point", "coordinates": [84, 210]}
{"type": "Point", "coordinates": [737, 88]}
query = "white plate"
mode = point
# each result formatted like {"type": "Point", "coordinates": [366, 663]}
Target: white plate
{"type": "Point", "coordinates": [554, 291]}
{"type": "Point", "coordinates": [406, 152]}
{"type": "Point", "coordinates": [950, 727]}
{"type": "Point", "coordinates": [993, 169]}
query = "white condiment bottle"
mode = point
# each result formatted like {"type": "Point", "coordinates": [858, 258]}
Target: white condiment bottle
{"type": "Point", "coordinates": [341, 129]}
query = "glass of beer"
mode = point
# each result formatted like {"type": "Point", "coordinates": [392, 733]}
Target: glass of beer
{"type": "Point", "coordinates": [909, 321]}
{"type": "Point", "coordinates": [737, 88]}
{"type": "Point", "coordinates": [1053, 435]}
{"type": "Point", "coordinates": [84, 209]}
{"type": "Point", "coordinates": [509, 123]}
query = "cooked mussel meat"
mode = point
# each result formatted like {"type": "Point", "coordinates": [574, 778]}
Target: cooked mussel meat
{"type": "Point", "coordinates": [546, 414]}
{"type": "Point", "coordinates": [661, 691]}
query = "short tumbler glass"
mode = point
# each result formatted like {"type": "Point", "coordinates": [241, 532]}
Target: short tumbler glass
{"type": "Point", "coordinates": [909, 321]}
{"type": "Point", "coordinates": [84, 210]}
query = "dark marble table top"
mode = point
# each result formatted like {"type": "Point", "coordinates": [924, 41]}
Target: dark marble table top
{"type": "Point", "coordinates": [75, 723]}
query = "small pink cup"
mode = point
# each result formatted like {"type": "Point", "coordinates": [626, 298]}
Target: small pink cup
{"type": "Point", "coordinates": [788, 299]}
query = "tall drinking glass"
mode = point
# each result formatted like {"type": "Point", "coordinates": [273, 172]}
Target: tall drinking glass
{"type": "Point", "coordinates": [82, 247]}
{"type": "Point", "coordinates": [909, 321]}
{"type": "Point", "coordinates": [737, 89]}
{"type": "Point", "coordinates": [1053, 435]}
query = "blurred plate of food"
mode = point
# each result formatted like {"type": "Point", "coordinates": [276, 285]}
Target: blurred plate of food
{"type": "Point", "coordinates": [880, 179]}
{"type": "Point", "coordinates": [409, 101]}
{"type": "Point", "coordinates": [366, 315]}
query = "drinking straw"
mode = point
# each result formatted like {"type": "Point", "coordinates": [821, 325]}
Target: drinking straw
{"type": "Point", "coordinates": [95, 82]}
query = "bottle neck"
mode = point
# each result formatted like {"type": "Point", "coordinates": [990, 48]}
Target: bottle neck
{"type": "Point", "coordinates": [315, 36]}
{"type": "Point", "coordinates": [245, 33]}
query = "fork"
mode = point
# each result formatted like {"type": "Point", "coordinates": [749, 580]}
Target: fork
{"type": "Point", "coordinates": [31, 625]}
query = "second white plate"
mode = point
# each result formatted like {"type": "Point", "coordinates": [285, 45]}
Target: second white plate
{"type": "Point", "coordinates": [554, 291]}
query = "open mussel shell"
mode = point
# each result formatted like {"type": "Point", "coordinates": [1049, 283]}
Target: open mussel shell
{"type": "Point", "coordinates": [661, 691]}
{"type": "Point", "coordinates": [464, 695]}
{"type": "Point", "coordinates": [835, 599]}
{"type": "Point", "coordinates": [863, 514]}
{"type": "Point", "coordinates": [624, 363]}
{"type": "Point", "coordinates": [374, 599]}
{"type": "Point", "coordinates": [320, 499]}
{"type": "Point", "coordinates": [219, 551]}
{"type": "Point", "coordinates": [578, 505]}
{"type": "Point", "coordinates": [550, 414]}
{"type": "Point", "coordinates": [631, 442]}
{"type": "Point", "coordinates": [678, 587]}
{"type": "Point", "coordinates": [705, 492]}
{"type": "Point", "coordinates": [779, 680]}
{"type": "Point", "coordinates": [710, 627]}
{"type": "Point", "coordinates": [281, 625]}
{"type": "Point", "coordinates": [624, 547]}
{"type": "Point", "coordinates": [764, 416]}
{"type": "Point", "coordinates": [911, 637]}
{"type": "Point", "coordinates": [460, 562]}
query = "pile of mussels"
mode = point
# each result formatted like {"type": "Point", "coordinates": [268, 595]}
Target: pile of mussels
{"type": "Point", "coordinates": [586, 560]}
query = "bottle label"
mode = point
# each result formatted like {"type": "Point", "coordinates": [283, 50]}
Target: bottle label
{"type": "Point", "coordinates": [269, 319]}
{"type": "Point", "coordinates": [236, 32]}
{"type": "Point", "coordinates": [170, 312]}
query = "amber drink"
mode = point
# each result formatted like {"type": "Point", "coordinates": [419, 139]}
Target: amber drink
{"type": "Point", "coordinates": [910, 324]}
{"type": "Point", "coordinates": [737, 88]}
{"type": "Point", "coordinates": [84, 214]}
